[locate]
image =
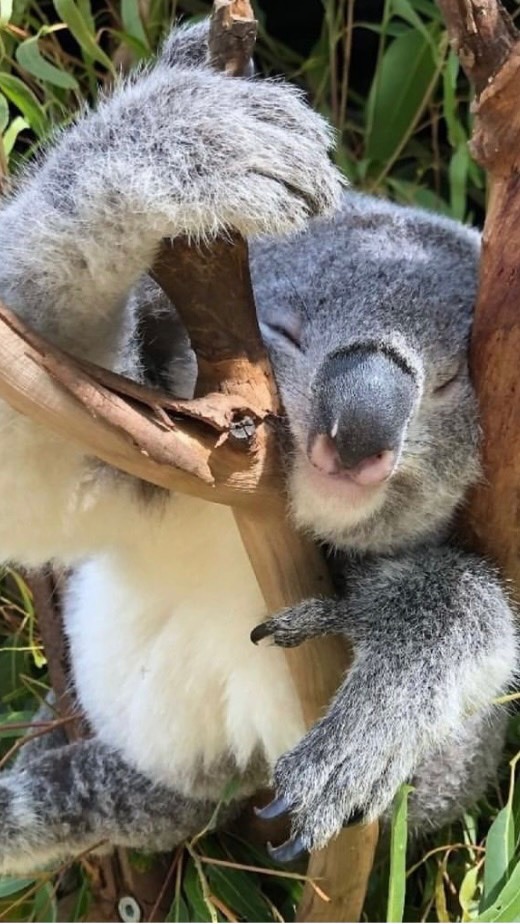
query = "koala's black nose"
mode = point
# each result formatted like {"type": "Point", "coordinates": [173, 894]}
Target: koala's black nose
{"type": "Point", "coordinates": [363, 399]}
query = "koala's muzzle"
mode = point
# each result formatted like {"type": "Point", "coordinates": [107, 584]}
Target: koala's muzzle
{"type": "Point", "coordinates": [362, 402]}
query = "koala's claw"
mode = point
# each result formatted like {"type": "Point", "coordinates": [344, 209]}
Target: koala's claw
{"type": "Point", "coordinates": [273, 809]}
{"type": "Point", "coordinates": [296, 624]}
{"type": "Point", "coordinates": [288, 851]}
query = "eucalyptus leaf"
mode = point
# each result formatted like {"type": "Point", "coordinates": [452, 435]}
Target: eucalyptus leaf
{"type": "Point", "coordinates": [45, 906]}
{"type": "Point", "coordinates": [10, 886]}
{"type": "Point", "coordinates": [132, 22]}
{"type": "Point", "coordinates": [6, 11]}
{"type": "Point", "coordinates": [22, 97]}
{"type": "Point", "coordinates": [4, 113]}
{"type": "Point", "coordinates": [398, 841]}
{"type": "Point", "coordinates": [506, 907]}
{"type": "Point", "coordinates": [81, 29]}
{"type": "Point", "coordinates": [31, 59]}
{"type": "Point", "coordinates": [398, 93]}
{"type": "Point", "coordinates": [500, 851]}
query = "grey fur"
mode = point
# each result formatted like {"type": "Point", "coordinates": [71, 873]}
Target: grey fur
{"type": "Point", "coordinates": [432, 634]}
{"type": "Point", "coordinates": [432, 629]}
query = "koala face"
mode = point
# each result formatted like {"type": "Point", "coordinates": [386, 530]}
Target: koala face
{"type": "Point", "coordinates": [366, 319]}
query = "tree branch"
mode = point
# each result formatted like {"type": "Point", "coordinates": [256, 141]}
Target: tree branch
{"type": "Point", "coordinates": [492, 520]}
{"type": "Point", "coordinates": [482, 34]}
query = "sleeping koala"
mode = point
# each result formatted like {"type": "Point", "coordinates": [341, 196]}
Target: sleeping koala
{"type": "Point", "coordinates": [366, 316]}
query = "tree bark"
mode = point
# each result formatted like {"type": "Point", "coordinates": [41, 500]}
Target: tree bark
{"type": "Point", "coordinates": [489, 47]}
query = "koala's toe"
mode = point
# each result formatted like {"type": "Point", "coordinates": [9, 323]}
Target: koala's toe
{"type": "Point", "coordinates": [292, 626]}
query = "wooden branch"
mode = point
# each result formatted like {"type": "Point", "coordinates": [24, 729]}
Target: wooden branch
{"type": "Point", "coordinates": [482, 34]}
{"type": "Point", "coordinates": [195, 452]}
{"type": "Point", "coordinates": [493, 516]}
{"type": "Point", "coordinates": [211, 289]}
{"type": "Point", "coordinates": [232, 36]}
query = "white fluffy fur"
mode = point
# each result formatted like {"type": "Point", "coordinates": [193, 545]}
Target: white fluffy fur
{"type": "Point", "coordinates": [160, 640]}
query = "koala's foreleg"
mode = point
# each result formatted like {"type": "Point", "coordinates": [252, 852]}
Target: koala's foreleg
{"type": "Point", "coordinates": [434, 644]}
{"type": "Point", "coordinates": [83, 796]}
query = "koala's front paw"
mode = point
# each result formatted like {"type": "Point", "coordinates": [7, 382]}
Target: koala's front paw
{"type": "Point", "coordinates": [346, 769]}
{"type": "Point", "coordinates": [278, 170]}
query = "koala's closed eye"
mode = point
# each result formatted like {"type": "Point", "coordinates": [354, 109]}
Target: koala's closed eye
{"type": "Point", "coordinates": [288, 330]}
{"type": "Point", "coordinates": [449, 380]}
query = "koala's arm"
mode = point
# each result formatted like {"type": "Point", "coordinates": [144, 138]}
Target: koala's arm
{"type": "Point", "coordinates": [178, 150]}
{"type": "Point", "coordinates": [434, 643]}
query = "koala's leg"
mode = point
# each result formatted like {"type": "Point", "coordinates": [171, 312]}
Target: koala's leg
{"type": "Point", "coordinates": [73, 798]}
{"type": "Point", "coordinates": [455, 775]}
{"type": "Point", "coordinates": [434, 643]}
{"type": "Point", "coordinates": [54, 738]}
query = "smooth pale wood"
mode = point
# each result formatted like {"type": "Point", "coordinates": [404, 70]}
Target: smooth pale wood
{"type": "Point", "coordinates": [289, 569]}
{"type": "Point", "coordinates": [211, 289]}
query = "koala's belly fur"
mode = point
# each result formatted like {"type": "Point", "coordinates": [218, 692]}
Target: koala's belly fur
{"type": "Point", "coordinates": [164, 667]}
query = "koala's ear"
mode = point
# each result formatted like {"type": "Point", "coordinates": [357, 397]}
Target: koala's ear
{"type": "Point", "coordinates": [186, 46]}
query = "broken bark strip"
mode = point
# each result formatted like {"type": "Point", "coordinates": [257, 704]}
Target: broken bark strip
{"type": "Point", "coordinates": [493, 516]}
{"type": "Point", "coordinates": [79, 402]}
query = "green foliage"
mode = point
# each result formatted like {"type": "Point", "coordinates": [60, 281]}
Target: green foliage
{"type": "Point", "coordinates": [383, 73]}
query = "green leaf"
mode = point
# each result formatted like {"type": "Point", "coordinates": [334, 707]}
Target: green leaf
{"type": "Point", "coordinates": [45, 907]}
{"type": "Point", "coordinates": [240, 891]}
{"type": "Point", "coordinates": [4, 113]}
{"type": "Point", "coordinates": [398, 840]}
{"type": "Point", "coordinates": [9, 886]}
{"type": "Point", "coordinates": [6, 11]}
{"type": "Point", "coordinates": [505, 908]}
{"type": "Point", "coordinates": [456, 132]}
{"type": "Point", "coordinates": [22, 97]}
{"type": "Point", "coordinates": [458, 174]}
{"type": "Point", "coordinates": [9, 139]}
{"type": "Point", "coordinates": [82, 31]}
{"type": "Point", "coordinates": [22, 717]}
{"type": "Point", "coordinates": [468, 891]}
{"type": "Point", "coordinates": [178, 911]}
{"type": "Point", "coordinates": [405, 10]}
{"type": "Point", "coordinates": [398, 93]}
{"type": "Point", "coordinates": [132, 22]}
{"type": "Point", "coordinates": [198, 909]}
{"type": "Point", "coordinates": [500, 850]}
{"type": "Point", "coordinates": [30, 58]}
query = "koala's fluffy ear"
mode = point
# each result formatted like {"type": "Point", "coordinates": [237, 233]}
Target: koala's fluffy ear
{"type": "Point", "coordinates": [186, 46]}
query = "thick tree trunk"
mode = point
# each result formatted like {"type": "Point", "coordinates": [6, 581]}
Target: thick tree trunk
{"type": "Point", "coordinates": [488, 44]}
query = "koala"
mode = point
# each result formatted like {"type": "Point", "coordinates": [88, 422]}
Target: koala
{"type": "Point", "coordinates": [366, 314]}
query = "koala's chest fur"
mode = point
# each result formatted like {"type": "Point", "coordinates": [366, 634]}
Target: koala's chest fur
{"type": "Point", "coordinates": [164, 667]}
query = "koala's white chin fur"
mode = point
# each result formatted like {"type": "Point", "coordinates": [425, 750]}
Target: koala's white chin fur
{"type": "Point", "coordinates": [326, 506]}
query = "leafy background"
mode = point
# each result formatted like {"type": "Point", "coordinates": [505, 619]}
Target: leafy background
{"type": "Point", "coordinates": [383, 73]}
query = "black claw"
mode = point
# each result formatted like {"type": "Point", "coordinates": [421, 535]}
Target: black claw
{"type": "Point", "coordinates": [260, 632]}
{"type": "Point", "coordinates": [273, 809]}
{"type": "Point", "coordinates": [286, 853]}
